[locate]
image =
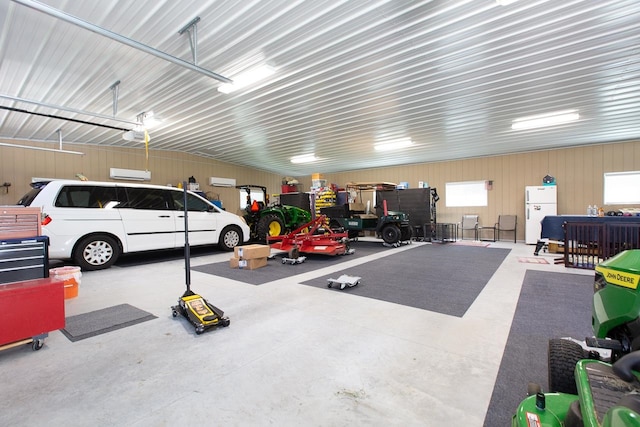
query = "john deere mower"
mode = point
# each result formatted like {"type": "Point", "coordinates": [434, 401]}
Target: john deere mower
{"type": "Point", "coordinates": [266, 220]}
{"type": "Point", "coordinates": [608, 395]}
{"type": "Point", "coordinates": [595, 382]}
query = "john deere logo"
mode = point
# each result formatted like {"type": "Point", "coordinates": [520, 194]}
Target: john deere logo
{"type": "Point", "coordinates": [619, 278]}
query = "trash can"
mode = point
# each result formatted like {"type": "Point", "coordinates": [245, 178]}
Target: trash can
{"type": "Point", "coordinates": [71, 278]}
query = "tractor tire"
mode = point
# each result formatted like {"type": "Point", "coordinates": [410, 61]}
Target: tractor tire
{"type": "Point", "coordinates": [270, 225]}
{"type": "Point", "coordinates": [390, 234]}
{"type": "Point", "coordinates": [563, 356]}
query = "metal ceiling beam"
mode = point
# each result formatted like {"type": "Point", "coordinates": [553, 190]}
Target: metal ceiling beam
{"type": "Point", "coordinates": [119, 38]}
{"type": "Point", "coordinates": [71, 110]}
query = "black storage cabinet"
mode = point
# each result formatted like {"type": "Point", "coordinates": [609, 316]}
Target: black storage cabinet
{"type": "Point", "coordinates": [24, 259]}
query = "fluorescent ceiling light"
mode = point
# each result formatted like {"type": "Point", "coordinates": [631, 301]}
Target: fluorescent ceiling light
{"type": "Point", "coordinates": [304, 158]}
{"type": "Point", "coordinates": [542, 120]}
{"type": "Point", "coordinates": [393, 145]}
{"type": "Point", "coordinates": [246, 78]}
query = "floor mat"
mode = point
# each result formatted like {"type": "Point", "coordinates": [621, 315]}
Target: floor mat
{"type": "Point", "coordinates": [102, 321]}
{"type": "Point", "coordinates": [423, 277]}
{"type": "Point", "coordinates": [551, 305]}
{"type": "Point", "coordinates": [275, 270]}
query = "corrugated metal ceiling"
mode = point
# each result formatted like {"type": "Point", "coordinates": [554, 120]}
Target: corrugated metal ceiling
{"type": "Point", "coordinates": [450, 75]}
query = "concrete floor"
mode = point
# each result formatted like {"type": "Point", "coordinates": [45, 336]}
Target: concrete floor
{"type": "Point", "coordinates": [293, 355]}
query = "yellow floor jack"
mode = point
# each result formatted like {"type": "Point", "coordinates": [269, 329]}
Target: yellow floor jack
{"type": "Point", "coordinates": [200, 313]}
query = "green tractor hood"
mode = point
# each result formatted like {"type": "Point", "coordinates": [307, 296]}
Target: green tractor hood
{"type": "Point", "coordinates": [616, 299]}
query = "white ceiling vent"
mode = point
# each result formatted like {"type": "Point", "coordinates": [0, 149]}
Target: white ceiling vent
{"type": "Point", "coordinates": [129, 174]}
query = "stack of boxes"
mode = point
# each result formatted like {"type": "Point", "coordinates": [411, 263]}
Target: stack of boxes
{"type": "Point", "coordinates": [250, 257]}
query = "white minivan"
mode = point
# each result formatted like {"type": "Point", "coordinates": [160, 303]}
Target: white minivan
{"type": "Point", "coordinates": [93, 223]}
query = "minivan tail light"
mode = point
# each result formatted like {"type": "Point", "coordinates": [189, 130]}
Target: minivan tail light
{"type": "Point", "coordinates": [46, 219]}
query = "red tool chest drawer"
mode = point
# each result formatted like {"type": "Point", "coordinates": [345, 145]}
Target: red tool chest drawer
{"type": "Point", "coordinates": [30, 308]}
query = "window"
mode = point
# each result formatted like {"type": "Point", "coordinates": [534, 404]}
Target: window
{"type": "Point", "coordinates": [145, 198]}
{"type": "Point", "coordinates": [194, 204]}
{"type": "Point", "coordinates": [85, 196]}
{"type": "Point", "coordinates": [256, 195]}
{"type": "Point", "coordinates": [622, 188]}
{"type": "Point", "coordinates": [469, 193]}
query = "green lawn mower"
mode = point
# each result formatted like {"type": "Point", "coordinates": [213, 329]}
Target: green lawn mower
{"type": "Point", "coordinates": [266, 220]}
{"type": "Point", "coordinates": [595, 382]}
{"type": "Point", "coordinates": [607, 396]}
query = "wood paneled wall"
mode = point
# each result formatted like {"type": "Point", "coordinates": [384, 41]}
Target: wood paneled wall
{"type": "Point", "coordinates": [19, 165]}
{"type": "Point", "coordinates": [578, 172]}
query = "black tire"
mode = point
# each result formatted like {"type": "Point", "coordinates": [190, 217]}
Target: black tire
{"type": "Point", "coordinates": [294, 253]}
{"type": "Point", "coordinates": [347, 245]}
{"type": "Point", "coordinates": [405, 234]}
{"type": "Point", "coordinates": [230, 237]}
{"type": "Point", "coordinates": [390, 234]}
{"type": "Point", "coordinates": [270, 225]}
{"type": "Point", "coordinates": [563, 356]}
{"type": "Point", "coordinates": [96, 252]}
{"type": "Point", "coordinates": [37, 345]}
{"type": "Point", "coordinates": [226, 322]}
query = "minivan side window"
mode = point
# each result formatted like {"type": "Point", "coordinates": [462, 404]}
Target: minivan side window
{"type": "Point", "coordinates": [87, 196]}
{"type": "Point", "coordinates": [146, 198]}
{"type": "Point", "coordinates": [194, 204]}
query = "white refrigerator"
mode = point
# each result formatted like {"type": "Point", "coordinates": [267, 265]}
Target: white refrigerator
{"type": "Point", "coordinates": [539, 202]}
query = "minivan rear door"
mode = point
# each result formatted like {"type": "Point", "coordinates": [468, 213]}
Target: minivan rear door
{"type": "Point", "coordinates": [203, 229]}
{"type": "Point", "coordinates": [148, 221]}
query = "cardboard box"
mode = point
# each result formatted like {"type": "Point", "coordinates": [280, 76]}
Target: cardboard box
{"type": "Point", "coordinates": [247, 264]}
{"type": "Point", "coordinates": [252, 251]}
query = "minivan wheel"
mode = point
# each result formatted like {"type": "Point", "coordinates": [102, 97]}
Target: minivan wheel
{"type": "Point", "coordinates": [96, 252]}
{"type": "Point", "coordinates": [230, 238]}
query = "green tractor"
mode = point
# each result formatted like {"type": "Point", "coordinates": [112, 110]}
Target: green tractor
{"type": "Point", "coordinates": [266, 220]}
{"type": "Point", "coordinates": [595, 382]}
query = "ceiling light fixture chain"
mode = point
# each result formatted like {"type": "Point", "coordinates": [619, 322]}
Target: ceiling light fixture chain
{"type": "Point", "coordinates": [193, 37]}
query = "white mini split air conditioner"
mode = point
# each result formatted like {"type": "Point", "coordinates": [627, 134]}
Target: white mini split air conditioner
{"type": "Point", "coordinates": [129, 174]}
{"type": "Point", "coordinates": [222, 182]}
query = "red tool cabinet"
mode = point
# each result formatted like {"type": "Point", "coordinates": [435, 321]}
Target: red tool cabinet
{"type": "Point", "coordinates": [30, 309]}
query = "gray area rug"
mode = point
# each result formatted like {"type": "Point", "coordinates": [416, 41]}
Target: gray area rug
{"type": "Point", "coordinates": [275, 270]}
{"type": "Point", "coordinates": [423, 277]}
{"type": "Point", "coordinates": [102, 321]}
{"type": "Point", "coordinates": [551, 305]}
